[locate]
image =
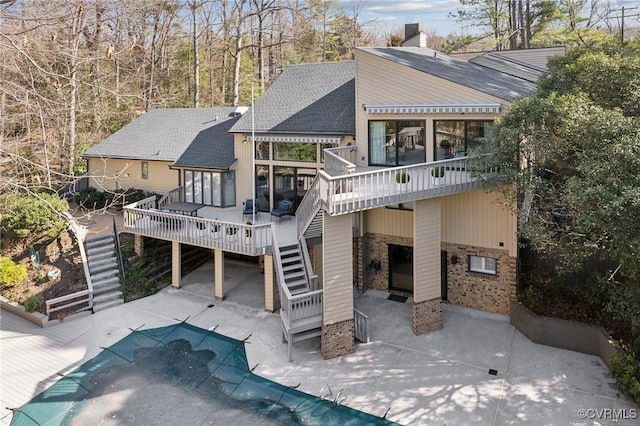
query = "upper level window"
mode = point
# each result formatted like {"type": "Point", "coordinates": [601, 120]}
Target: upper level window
{"type": "Point", "coordinates": [145, 170]}
{"type": "Point", "coordinates": [485, 265]}
{"type": "Point", "coordinates": [262, 150]}
{"type": "Point", "coordinates": [455, 138]}
{"type": "Point", "coordinates": [396, 142]}
{"type": "Point", "coordinates": [295, 151]}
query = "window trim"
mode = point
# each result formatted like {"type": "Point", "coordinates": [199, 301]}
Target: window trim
{"type": "Point", "coordinates": [483, 269]}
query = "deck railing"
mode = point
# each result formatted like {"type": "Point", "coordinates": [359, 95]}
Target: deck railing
{"type": "Point", "coordinates": [174, 196]}
{"type": "Point", "coordinates": [309, 206]}
{"type": "Point", "coordinates": [378, 188]}
{"type": "Point", "coordinates": [301, 306]}
{"type": "Point", "coordinates": [361, 326]}
{"type": "Point", "coordinates": [339, 161]}
{"type": "Point", "coordinates": [240, 238]}
{"type": "Point", "coordinates": [82, 299]}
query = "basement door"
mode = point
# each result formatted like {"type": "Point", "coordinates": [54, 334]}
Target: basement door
{"type": "Point", "coordinates": [401, 268]}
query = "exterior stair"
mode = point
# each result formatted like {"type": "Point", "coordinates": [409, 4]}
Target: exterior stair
{"type": "Point", "coordinates": [300, 294]}
{"type": "Point", "coordinates": [104, 271]}
{"type": "Point", "coordinates": [293, 269]}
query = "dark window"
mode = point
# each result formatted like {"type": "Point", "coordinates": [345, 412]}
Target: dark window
{"type": "Point", "coordinates": [455, 138]}
{"type": "Point", "coordinates": [396, 142]}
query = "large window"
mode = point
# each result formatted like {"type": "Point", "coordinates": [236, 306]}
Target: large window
{"type": "Point", "coordinates": [397, 142]}
{"type": "Point", "coordinates": [455, 138]}
{"type": "Point", "coordinates": [295, 151]}
{"type": "Point", "coordinates": [210, 188]}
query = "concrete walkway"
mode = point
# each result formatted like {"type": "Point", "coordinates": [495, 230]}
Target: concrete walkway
{"type": "Point", "coordinates": [442, 378]}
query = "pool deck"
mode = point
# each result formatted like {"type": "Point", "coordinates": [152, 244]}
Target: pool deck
{"type": "Point", "coordinates": [441, 378]}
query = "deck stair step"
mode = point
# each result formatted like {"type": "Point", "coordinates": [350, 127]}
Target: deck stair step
{"type": "Point", "coordinates": [104, 269]}
{"type": "Point", "coordinates": [309, 334]}
{"type": "Point", "coordinates": [294, 278]}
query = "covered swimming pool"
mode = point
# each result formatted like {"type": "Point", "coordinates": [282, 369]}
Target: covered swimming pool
{"type": "Point", "coordinates": [178, 374]}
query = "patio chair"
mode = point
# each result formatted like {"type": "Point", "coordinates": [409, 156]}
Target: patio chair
{"type": "Point", "coordinates": [283, 209]}
{"type": "Point", "coordinates": [251, 206]}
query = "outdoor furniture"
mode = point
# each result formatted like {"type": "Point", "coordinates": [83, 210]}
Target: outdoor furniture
{"type": "Point", "coordinates": [251, 206]}
{"type": "Point", "coordinates": [284, 208]}
{"type": "Point", "coordinates": [189, 209]}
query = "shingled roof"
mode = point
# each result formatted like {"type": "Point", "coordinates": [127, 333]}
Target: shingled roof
{"type": "Point", "coordinates": [165, 135]}
{"type": "Point", "coordinates": [307, 99]}
{"type": "Point", "coordinates": [212, 148]}
{"type": "Point", "coordinates": [483, 79]}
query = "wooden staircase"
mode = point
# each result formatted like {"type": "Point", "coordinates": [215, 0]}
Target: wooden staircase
{"type": "Point", "coordinates": [300, 294]}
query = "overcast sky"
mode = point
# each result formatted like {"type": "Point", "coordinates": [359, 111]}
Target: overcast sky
{"type": "Point", "coordinates": [434, 14]}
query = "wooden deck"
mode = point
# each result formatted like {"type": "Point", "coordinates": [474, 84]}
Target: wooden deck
{"type": "Point", "coordinates": [231, 231]}
{"type": "Point", "coordinates": [223, 229]}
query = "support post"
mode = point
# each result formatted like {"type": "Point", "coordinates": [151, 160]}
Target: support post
{"type": "Point", "coordinates": [338, 332]}
{"type": "Point", "coordinates": [218, 270]}
{"type": "Point", "coordinates": [427, 309]}
{"type": "Point", "coordinates": [138, 244]}
{"type": "Point", "coordinates": [269, 284]}
{"type": "Point", "coordinates": [176, 264]}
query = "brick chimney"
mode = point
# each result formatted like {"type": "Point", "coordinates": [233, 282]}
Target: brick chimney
{"type": "Point", "coordinates": [414, 36]}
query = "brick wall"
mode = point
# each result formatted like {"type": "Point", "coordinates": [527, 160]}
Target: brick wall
{"type": "Point", "coordinates": [375, 247]}
{"type": "Point", "coordinates": [338, 339]}
{"type": "Point", "coordinates": [427, 316]}
{"type": "Point", "coordinates": [492, 293]}
{"type": "Point", "coordinates": [358, 264]}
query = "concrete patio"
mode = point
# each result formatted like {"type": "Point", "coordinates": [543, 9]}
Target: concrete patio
{"type": "Point", "coordinates": [439, 378]}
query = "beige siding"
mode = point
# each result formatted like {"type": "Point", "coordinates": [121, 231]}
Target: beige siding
{"type": "Point", "coordinates": [426, 250]}
{"type": "Point", "coordinates": [389, 222]}
{"type": "Point", "coordinates": [112, 174]}
{"type": "Point", "coordinates": [381, 81]}
{"type": "Point", "coordinates": [243, 167]}
{"type": "Point", "coordinates": [338, 269]}
{"type": "Point", "coordinates": [269, 284]}
{"type": "Point", "coordinates": [479, 219]}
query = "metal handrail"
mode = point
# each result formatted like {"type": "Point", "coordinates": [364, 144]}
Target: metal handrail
{"type": "Point", "coordinates": [119, 254]}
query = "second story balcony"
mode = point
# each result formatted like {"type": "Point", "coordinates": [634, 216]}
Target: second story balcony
{"type": "Point", "coordinates": [341, 188]}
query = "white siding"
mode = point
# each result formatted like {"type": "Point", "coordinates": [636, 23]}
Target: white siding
{"type": "Point", "coordinates": [338, 269]}
{"type": "Point", "coordinates": [426, 250]}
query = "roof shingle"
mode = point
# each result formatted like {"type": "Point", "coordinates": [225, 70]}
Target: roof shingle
{"type": "Point", "coordinates": [307, 99]}
{"type": "Point", "coordinates": [165, 135]}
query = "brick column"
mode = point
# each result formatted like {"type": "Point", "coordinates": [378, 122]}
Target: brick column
{"type": "Point", "coordinates": [338, 339]}
{"type": "Point", "coordinates": [176, 264]}
{"type": "Point", "coordinates": [218, 274]}
{"type": "Point", "coordinates": [338, 332]}
{"type": "Point", "coordinates": [427, 316]}
{"type": "Point", "coordinates": [138, 244]}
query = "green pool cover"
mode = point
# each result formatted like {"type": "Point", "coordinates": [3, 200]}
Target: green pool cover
{"type": "Point", "coordinates": [179, 374]}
